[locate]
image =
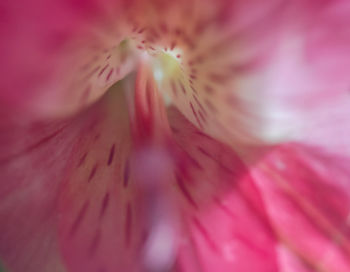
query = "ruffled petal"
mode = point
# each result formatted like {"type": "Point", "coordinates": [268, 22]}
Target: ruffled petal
{"type": "Point", "coordinates": [307, 198]}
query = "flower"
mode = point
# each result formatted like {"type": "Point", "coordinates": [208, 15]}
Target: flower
{"type": "Point", "coordinates": [179, 135]}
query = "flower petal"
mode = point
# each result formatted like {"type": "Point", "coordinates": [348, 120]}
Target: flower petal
{"type": "Point", "coordinates": [248, 71]}
{"type": "Point", "coordinates": [114, 207]}
{"type": "Point", "coordinates": [33, 157]}
{"type": "Point", "coordinates": [223, 217]}
{"type": "Point", "coordinates": [306, 193]}
{"type": "Point", "coordinates": [41, 173]}
{"type": "Point", "coordinates": [60, 56]}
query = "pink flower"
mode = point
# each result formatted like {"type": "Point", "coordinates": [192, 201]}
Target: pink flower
{"type": "Point", "coordinates": [197, 135]}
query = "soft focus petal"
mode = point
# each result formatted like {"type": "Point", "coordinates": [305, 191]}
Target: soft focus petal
{"type": "Point", "coordinates": [252, 71]}
{"type": "Point", "coordinates": [223, 217]}
{"type": "Point", "coordinates": [242, 71]}
{"type": "Point", "coordinates": [59, 56]}
{"type": "Point", "coordinates": [202, 48]}
{"type": "Point", "coordinates": [33, 158]}
{"type": "Point", "coordinates": [307, 197]}
{"type": "Point", "coordinates": [114, 207]}
{"type": "Point", "coordinates": [40, 173]}
{"type": "Point", "coordinates": [106, 195]}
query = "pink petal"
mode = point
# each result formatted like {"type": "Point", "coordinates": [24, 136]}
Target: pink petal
{"type": "Point", "coordinates": [36, 169]}
{"type": "Point", "coordinates": [201, 50]}
{"type": "Point", "coordinates": [162, 202]}
{"type": "Point", "coordinates": [223, 218]}
{"type": "Point", "coordinates": [33, 158]}
{"type": "Point", "coordinates": [246, 71]}
{"type": "Point", "coordinates": [252, 71]}
{"type": "Point", "coordinates": [227, 87]}
{"type": "Point", "coordinates": [60, 56]}
{"type": "Point", "coordinates": [111, 205]}
{"type": "Point", "coordinates": [307, 198]}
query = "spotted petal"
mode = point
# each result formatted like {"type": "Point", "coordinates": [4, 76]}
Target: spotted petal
{"type": "Point", "coordinates": [36, 169]}
{"type": "Point", "coordinates": [249, 71]}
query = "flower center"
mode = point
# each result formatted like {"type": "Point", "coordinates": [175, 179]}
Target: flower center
{"type": "Point", "coordinates": [166, 65]}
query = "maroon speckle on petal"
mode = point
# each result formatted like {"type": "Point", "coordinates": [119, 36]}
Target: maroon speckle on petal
{"type": "Point", "coordinates": [205, 234]}
{"type": "Point", "coordinates": [79, 218]}
{"type": "Point", "coordinates": [102, 70]}
{"type": "Point", "coordinates": [111, 155]}
{"type": "Point", "coordinates": [97, 136]}
{"type": "Point", "coordinates": [109, 74]}
{"type": "Point", "coordinates": [194, 162]}
{"type": "Point", "coordinates": [206, 153]}
{"type": "Point", "coordinates": [174, 130]}
{"type": "Point", "coordinates": [172, 46]}
{"type": "Point", "coordinates": [182, 87]}
{"type": "Point", "coordinates": [196, 116]}
{"type": "Point", "coordinates": [194, 90]}
{"type": "Point", "coordinates": [178, 32]}
{"type": "Point", "coordinates": [82, 160]}
{"type": "Point", "coordinates": [104, 206]}
{"type": "Point", "coordinates": [199, 104]}
{"type": "Point", "coordinates": [224, 167]}
{"type": "Point", "coordinates": [141, 30]}
{"type": "Point", "coordinates": [203, 135]}
{"type": "Point", "coordinates": [93, 172]}
{"type": "Point", "coordinates": [185, 192]}
{"type": "Point", "coordinates": [201, 115]}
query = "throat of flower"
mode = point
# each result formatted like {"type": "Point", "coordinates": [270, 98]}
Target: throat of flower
{"type": "Point", "coordinates": [166, 65]}
{"type": "Point", "coordinates": [152, 165]}
{"type": "Point", "coordinates": [149, 121]}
